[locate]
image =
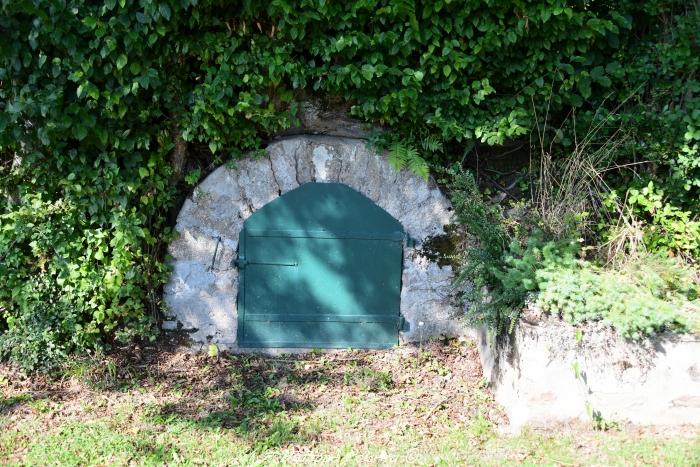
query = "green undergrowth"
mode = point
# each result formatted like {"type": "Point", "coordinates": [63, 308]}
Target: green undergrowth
{"type": "Point", "coordinates": [645, 294]}
{"type": "Point", "coordinates": [601, 221]}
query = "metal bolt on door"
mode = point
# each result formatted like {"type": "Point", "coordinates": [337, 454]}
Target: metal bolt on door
{"type": "Point", "coordinates": [320, 266]}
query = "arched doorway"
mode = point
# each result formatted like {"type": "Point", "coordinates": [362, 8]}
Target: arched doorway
{"type": "Point", "coordinates": [320, 267]}
{"type": "Point", "coordinates": [200, 298]}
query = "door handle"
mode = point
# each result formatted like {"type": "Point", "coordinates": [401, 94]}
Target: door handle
{"type": "Point", "coordinates": [241, 263]}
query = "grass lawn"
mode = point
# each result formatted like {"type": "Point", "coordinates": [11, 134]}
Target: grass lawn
{"type": "Point", "coordinates": [425, 406]}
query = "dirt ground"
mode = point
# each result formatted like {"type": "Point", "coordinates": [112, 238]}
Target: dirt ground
{"type": "Point", "coordinates": [415, 383]}
{"type": "Point", "coordinates": [408, 403]}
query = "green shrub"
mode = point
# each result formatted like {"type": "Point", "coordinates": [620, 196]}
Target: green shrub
{"type": "Point", "coordinates": [520, 273]}
{"type": "Point", "coordinates": [496, 271]}
{"type": "Point", "coordinates": [93, 248]}
{"type": "Point", "coordinates": [653, 112]}
{"type": "Point", "coordinates": [46, 333]}
{"type": "Point", "coordinates": [650, 294]}
{"type": "Point", "coordinates": [668, 228]}
{"type": "Point", "coordinates": [646, 296]}
{"type": "Point", "coordinates": [481, 252]}
{"type": "Point", "coordinates": [517, 275]}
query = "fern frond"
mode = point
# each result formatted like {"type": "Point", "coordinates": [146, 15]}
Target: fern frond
{"type": "Point", "coordinates": [410, 155]}
{"type": "Point", "coordinates": [397, 155]}
{"type": "Point", "coordinates": [419, 166]}
{"type": "Point", "coordinates": [431, 143]}
{"type": "Point", "coordinates": [402, 155]}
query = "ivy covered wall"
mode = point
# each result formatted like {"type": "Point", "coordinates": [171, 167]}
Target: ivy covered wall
{"type": "Point", "coordinates": [101, 100]}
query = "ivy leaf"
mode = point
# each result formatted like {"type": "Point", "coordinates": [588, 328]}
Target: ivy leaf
{"type": "Point", "coordinates": [93, 91]}
{"type": "Point", "coordinates": [446, 70]}
{"type": "Point", "coordinates": [79, 132]}
{"type": "Point", "coordinates": [164, 10]}
{"type": "Point", "coordinates": [143, 172]}
{"type": "Point", "coordinates": [43, 135]}
{"type": "Point", "coordinates": [584, 86]}
{"type": "Point", "coordinates": [598, 75]}
{"type": "Point", "coordinates": [367, 72]}
{"type": "Point", "coordinates": [355, 78]}
{"type": "Point", "coordinates": [566, 68]}
{"type": "Point", "coordinates": [614, 68]}
{"type": "Point", "coordinates": [90, 21]}
{"type": "Point", "coordinates": [575, 100]}
{"type": "Point", "coordinates": [121, 61]}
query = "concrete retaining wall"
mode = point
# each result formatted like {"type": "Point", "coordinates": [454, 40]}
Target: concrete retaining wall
{"type": "Point", "coordinates": [542, 373]}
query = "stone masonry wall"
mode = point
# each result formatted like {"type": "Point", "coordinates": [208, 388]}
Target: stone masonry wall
{"type": "Point", "coordinates": [201, 293]}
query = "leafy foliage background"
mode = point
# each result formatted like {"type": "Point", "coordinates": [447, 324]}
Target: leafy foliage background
{"type": "Point", "coordinates": [94, 96]}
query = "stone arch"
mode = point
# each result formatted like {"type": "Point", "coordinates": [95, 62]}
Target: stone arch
{"type": "Point", "coordinates": [201, 293]}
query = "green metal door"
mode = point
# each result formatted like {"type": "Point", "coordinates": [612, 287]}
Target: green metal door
{"type": "Point", "coordinates": [320, 267]}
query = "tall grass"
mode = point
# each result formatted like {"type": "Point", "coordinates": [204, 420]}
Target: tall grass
{"type": "Point", "coordinates": [571, 197]}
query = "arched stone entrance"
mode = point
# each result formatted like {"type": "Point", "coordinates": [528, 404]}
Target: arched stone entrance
{"type": "Point", "coordinates": [201, 295]}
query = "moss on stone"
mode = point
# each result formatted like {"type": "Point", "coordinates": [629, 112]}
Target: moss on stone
{"type": "Point", "coordinates": [443, 249]}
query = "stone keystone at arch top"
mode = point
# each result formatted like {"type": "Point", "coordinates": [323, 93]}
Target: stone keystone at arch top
{"type": "Point", "coordinates": [203, 296]}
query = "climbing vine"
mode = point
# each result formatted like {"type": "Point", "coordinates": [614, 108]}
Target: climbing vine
{"type": "Point", "coordinates": [101, 101]}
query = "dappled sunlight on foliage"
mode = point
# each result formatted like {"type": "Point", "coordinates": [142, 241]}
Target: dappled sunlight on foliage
{"type": "Point", "coordinates": [102, 104]}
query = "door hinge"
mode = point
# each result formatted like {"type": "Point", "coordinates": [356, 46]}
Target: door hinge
{"type": "Point", "coordinates": [410, 241]}
{"type": "Point", "coordinates": [404, 326]}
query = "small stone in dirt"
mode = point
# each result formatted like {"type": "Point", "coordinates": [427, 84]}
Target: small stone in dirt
{"type": "Point", "coordinates": [169, 325]}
